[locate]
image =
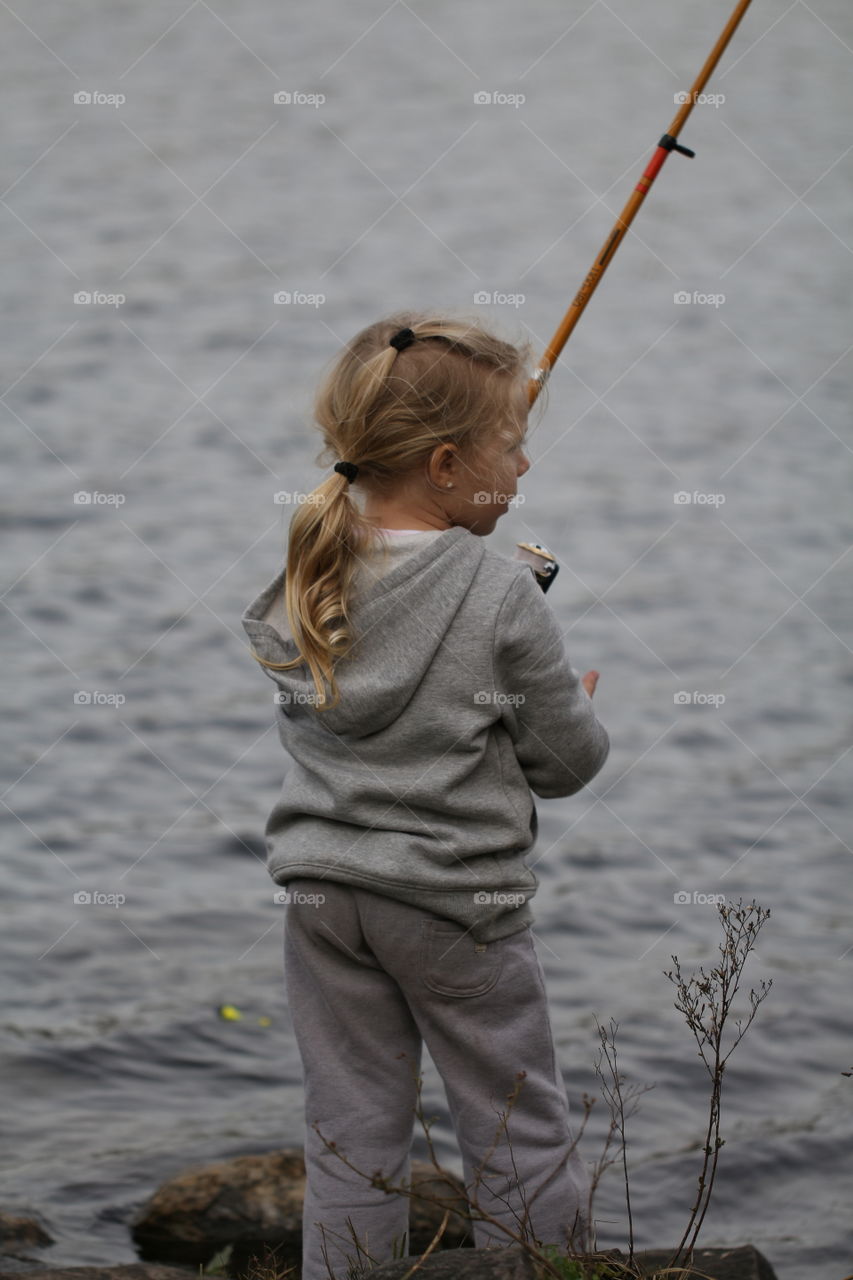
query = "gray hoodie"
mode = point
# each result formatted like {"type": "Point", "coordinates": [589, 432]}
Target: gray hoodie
{"type": "Point", "coordinates": [456, 700]}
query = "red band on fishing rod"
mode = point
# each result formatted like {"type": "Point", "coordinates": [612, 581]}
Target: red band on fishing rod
{"type": "Point", "coordinates": [667, 143]}
{"type": "Point", "coordinates": [652, 170]}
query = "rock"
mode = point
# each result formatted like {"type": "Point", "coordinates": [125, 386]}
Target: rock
{"type": "Point", "coordinates": [22, 1232]}
{"type": "Point", "coordinates": [197, 1213]}
{"type": "Point", "coordinates": [131, 1271]}
{"type": "Point", "coordinates": [741, 1263]}
{"type": "Point", "coordinates": [511, 1263]}
{"type": "Point", "coordinates": [254, 1203]}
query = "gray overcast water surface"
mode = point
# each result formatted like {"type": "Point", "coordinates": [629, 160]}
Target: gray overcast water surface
{"type": "Point", "coordinates": [199, 198]}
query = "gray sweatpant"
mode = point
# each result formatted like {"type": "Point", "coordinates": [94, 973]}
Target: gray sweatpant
{"type": "Point", "coordinates": [368, 980]}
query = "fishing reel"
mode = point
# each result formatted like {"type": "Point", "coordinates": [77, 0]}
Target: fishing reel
{"type": "Point", "coordinates": [541, 561]}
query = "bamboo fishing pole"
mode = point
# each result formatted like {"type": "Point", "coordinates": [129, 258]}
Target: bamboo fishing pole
{"type": "Point", "coordinates": [669, 142]}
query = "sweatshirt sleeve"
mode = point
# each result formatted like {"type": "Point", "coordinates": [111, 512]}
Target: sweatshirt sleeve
{"type": "Point", "coordinates": [559, 742]}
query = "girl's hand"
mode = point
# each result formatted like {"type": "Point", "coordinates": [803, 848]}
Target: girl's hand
{"type": "Point", "coordinates": [589, 681]}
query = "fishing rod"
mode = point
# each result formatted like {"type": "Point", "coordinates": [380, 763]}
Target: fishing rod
{"type": "Point", "coordinates": [538, 557]}
{"type": "Point", "coordinates": [669, 142]}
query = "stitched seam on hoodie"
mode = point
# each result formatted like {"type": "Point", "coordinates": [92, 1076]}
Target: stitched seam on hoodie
{"type": "Point", "coordinates": [499, 722]}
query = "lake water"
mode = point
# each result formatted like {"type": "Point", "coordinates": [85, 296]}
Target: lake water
{"type": "Point", "coordinates": [198, 198]}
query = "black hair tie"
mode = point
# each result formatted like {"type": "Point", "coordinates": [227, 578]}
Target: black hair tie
{"type": "Point", "coordinates": [403, 339]}
{"type": "Point", "coordinates": [348, 469]}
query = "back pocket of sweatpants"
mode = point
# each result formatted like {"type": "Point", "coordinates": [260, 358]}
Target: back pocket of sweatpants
{"type": "Point", "coordinates": [452, 964]}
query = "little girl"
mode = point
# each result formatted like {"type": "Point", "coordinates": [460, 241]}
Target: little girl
{"type": "Point", "coordinates": [406, 809]}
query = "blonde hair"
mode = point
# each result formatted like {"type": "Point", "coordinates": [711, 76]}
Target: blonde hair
{"type": "Point", "coordinates": [455, 385]}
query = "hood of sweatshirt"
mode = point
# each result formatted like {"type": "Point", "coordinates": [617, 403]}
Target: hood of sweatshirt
{"type": "Point", "coordinates": [401, 609]}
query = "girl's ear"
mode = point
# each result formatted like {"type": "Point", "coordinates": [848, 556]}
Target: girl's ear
{"type": "Point", "coordinates": [438, 462]}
